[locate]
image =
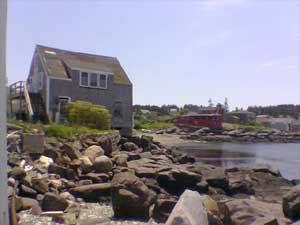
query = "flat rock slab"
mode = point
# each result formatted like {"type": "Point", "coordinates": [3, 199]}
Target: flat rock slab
{"type": "Point", "coordinates": [189, 210]}
{"type": "Point", "coordinates": [92, 192]}
{"type": "Point", "coordinates": [33, 143]}
{"type": "Point", "coordinates": [248, 211]}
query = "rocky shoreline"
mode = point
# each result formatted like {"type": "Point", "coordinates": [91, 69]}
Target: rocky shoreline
{"type": "Point", "coordinates": [137, 180]}
{"type": "Point", "coordinates": [239, 136]}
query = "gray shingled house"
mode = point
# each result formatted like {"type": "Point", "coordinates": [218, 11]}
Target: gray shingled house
{"type": "Point", "coordinates": [61, 76]}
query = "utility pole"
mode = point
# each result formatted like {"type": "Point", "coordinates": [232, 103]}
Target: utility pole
{"type": "Point", "coordinates": [3, 153]}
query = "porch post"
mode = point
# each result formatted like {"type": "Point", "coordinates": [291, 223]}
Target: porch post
{"type": "Point", "coordinates": [3, 154]}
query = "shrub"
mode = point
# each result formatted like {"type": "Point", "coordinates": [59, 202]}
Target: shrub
{"type": "Point", "coordinates": [87, 114]}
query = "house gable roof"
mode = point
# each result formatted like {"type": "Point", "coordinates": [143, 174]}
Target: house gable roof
{"type": "Point", "coordinates": [57, 61]}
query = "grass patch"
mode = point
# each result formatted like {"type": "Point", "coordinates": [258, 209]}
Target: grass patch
{"type": "Point", "coordinates": [27, 127]}
{"type": "Point", "coordinates": [154, 125]}
{"type": "Point", "coordinates": [65, 131]}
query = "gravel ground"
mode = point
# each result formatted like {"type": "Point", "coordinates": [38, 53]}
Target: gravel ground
{"type": "Point", "coordinates": [90, 214]}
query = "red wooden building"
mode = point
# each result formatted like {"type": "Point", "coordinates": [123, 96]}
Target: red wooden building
{"type": "Point", "coordinates": [213, 121]}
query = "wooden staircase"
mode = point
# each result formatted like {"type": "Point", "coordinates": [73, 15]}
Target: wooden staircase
{"type": "Point", "coordinates": [26, 105]}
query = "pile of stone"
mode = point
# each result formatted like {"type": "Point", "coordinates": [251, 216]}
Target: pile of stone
{"type": "Point", "coordinates": [142, 180]}
{"type": "Point", "coordinates": [243, 135]}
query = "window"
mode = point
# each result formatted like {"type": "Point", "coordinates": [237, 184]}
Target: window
{"type": "Point", "coordinates": [103, 81]}
{"type": "Point", "coordinates": [84, 79]}
{"type": "Point", "coordinates": [118, 112]}
{"type": "Point", "coordinates": [93, 80]}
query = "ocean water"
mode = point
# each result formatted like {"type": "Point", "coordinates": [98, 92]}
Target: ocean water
{"type": "Point", "coordinates": [283, 156]}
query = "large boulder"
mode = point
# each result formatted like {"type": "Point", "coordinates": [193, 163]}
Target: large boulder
{"type": "Point", "coordinates": [175, 181]}
{"type": "Point", "coordinates": [131, 198]}
{"type": "Point", "coordinates": [103, 164]}
{"type": "Point", "coordinates": [93, 152]}
{"type": "Point", "coordinates": [291, 203]}
{"type": "Point", "coordinates": [189, 210]}
{"type": "Point", "coordinates": [53, 202]}
{"type": "Point", "coordinates": [248, 211]}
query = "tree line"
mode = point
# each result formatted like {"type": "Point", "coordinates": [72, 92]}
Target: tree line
{"type": "Point", "coordinates": [277, 110]}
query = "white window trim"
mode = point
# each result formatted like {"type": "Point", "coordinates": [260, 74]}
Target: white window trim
{"type": "Point", "coordinates": [98, 79]}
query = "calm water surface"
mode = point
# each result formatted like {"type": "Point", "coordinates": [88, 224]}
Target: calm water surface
{"type": "Point", "coordinates": [285, 157]}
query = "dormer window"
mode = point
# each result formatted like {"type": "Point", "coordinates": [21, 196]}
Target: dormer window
{"type": "Point", "coordinates": [93, 80]}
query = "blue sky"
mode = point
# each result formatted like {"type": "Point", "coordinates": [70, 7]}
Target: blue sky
{"type": "Point", "coordinates": [175, 52]}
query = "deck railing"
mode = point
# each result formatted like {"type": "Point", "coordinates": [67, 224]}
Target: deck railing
{"type": "Point", "coordinates": [19, 90]}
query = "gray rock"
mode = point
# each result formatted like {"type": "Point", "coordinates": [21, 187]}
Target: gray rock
{"type": "Point", "coordinates": [266, 169]}
{"type": "Point", "coordinates": [189, 210]}
{"type": "Point", "coordinates": [163, 209]}
{"type": "Point", "coordinates": [121, 160]}
{"type": "Point", "coordinates": [86, 164]}
{"type": "Point", "coordinates": [145, 155]}
{"type": "Point", "coordinates": [27, 191]}
{"type": "Point", "coordinates": [29, 203]}
{"type": "Point", "coordinates": [175, 181]}
{"type": "Point", "coordinates": [103, 164]}
{"type": "Point", "coordinates": [52, 153]}
{"type": "Point", "coordinates": [17, 173]}
{"type": "Point", "coordinates": [85, 182]}
{"type": "Point", "coordinates": [131, 198]}
{"type": "Point", "coordinates": [71, 151]}
{"type": "Point", "coordinates": [135, 139]}
{"type": "Point", "coordinates": [291, 203]}
{"type": "Point", "coordinates": [171, 130]}
{"type": "Point", "coordinates": [129, 146]}
{"type": "Point", "coordinates": [40, 184]}
{"type": "Point", "coordinates": [52, 202]}
{"type": "Point", "coordinates": [247, 211]}
{"type": "Point", "coordinates": [146, 142]}
{"type": "Point", "coordinates": [62, 171]}
{"type": "Point", "coordinates": [93, 152]}
{"type": "Point", "coordinates": [108, 143]}
{"type": "Point", "coordinates": [33, 143]}
{"type": "Point", "coordinates": [92, 192]}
